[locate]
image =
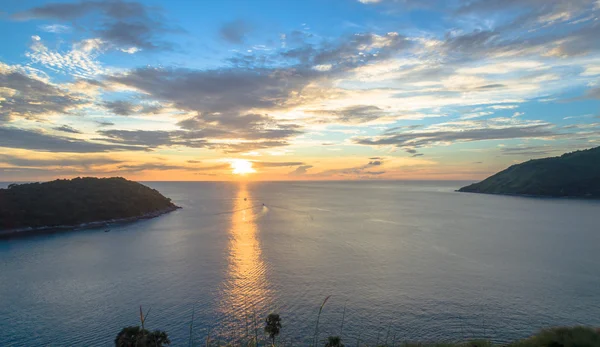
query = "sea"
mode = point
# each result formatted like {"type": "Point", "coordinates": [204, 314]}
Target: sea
{"type": "Point", "coordinates": [384, 262]}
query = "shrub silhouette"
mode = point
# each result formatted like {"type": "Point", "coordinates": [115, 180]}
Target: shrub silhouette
{"type": "Point", "coordinates": [137, 337]}
{"type": "Point", "coordinates": [334, 341]}
{"type": "Point", "coordinates": [273, 326]}
{"type": "Point", "coordinates": [562, 337]}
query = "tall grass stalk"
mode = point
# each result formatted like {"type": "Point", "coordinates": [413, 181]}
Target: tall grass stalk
{"type": "Point", "coordinates": [343, 317]}
{"type": "Point", "coordinates": [462, 331]}
{"type": "Point", "coordinates": [143, 320]}
{"type": "Point", "coordinates": [246, 320]}
{"type": "Point", "coordinates": [255, 327]}
{"type": "Point", "coordinates": [484, 332]}
{"type": "Point", "coordinates": [388, 333]}
{"type": "Point", "coordinates": [316, 337]}
{"type": "Point", "coordinates": [192, 325]}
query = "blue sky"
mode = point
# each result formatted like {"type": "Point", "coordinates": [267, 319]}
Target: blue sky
{"type": "Point", "coordinates": [335, 89]}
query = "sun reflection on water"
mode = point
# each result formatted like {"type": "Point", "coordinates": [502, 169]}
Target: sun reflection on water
{"type": "Point", "coordinates": [246, 290]}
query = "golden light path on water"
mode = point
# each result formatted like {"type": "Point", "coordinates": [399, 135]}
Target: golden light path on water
{"type": "Point", "coordinates": [246, 290]}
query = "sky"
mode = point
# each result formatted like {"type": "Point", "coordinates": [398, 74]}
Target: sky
{"type": "Point", "coordinates": [294, 90]}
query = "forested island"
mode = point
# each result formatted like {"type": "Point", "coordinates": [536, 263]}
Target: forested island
{"type": "Point", "coordinates": [575, 174]}
{"type": "Point", "coordinates": [77, 202]}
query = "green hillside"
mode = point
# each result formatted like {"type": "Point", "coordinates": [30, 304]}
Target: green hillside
{"type": "Point", "coordinates": [574, 174]}
{"type": "Point", "coordinates": [77, 201]}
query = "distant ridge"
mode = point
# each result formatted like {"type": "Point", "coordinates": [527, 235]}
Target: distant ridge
{"type": "Point", "coordinates": [575, 174]}
{"type": "Point", "coordinates": [77, 202]}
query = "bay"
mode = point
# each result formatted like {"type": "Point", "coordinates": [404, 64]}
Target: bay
{"type": "Point", "coordinates": [414, 260]}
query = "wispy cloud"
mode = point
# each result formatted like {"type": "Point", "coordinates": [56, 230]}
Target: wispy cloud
{"type": "Point", "coordinates": [56, 28]}
{"type": "Point", "coordinates": [72, 161]}
{"type": "Point", "coordinates": [235, 31]}
{"type": "Point", "coordinates": [482, 70]}
{"type": "Point", "coordinates": [26, 95]}
{"type": "Point", "coordinates": [80, 61]}
{"type": "Point", "coordinates": [301, 170]}
{"type": "Point", "coordinates": [461, 131]}
{"type": "Point", "coordinates": [67, 129]}
{"type": "Point", "coordinates": [12, 137]}
{"type": "Point", "coordinates": [123, 24]}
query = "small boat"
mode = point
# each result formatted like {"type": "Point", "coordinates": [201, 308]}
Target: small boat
{"type": "Point", "coordinates": [107, 230]}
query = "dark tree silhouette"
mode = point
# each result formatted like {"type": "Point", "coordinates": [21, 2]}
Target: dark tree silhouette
{"type": "Point", "coordinates": [573, 174]}
{"type": "Point", "coordinates": [77, 201]}
{"type": "Point", "coordinates": [137, 337]}
{"type": "Point", "coordinates": [334, 341]}
{"type": "Point", "coordinates": [273, 326]}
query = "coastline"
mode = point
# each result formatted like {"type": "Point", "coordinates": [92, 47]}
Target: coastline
{"type": "Point", "coordinates": [566, 197]}
{"type": "Point", "coordinates": [24, 232]}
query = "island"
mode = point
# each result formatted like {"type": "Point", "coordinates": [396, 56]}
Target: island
{"type": "Point", "coordinates": [575, 174]}
{"type": "Point", "coordinates": [66, 204]}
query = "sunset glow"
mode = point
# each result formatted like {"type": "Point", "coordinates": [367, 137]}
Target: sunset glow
{"type": "Point", "coordinates": [241, 167]}
{"type": "Point", "coordinates": [309, 90]}
{"type": "Point", "coordinates": [300, 173]}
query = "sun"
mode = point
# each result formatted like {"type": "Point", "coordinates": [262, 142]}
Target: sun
{"type": "Point", "coordinates": [241, 167]}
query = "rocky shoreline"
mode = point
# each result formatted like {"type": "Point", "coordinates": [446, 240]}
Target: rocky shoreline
{"type": "Point", "coordinates": [23, 232]}
{"type": "Point", "coordinates": [533, 196]}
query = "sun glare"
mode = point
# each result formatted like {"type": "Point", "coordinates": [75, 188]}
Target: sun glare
{"type": "Point", "coordinates": [241, 167]}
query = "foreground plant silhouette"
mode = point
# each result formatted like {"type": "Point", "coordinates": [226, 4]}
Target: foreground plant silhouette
{"type": "Point", "coordinates": [273, 326]}
{"type": "Point", "coordinates": [334, 341]}
{"type": "Point", "coordinates": [316, 336]}
{"type": "Point", "coordinates": [138, 337]}
{"type": "Point", "coordinates": [135, 336]}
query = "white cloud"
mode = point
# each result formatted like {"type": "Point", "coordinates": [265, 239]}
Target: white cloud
{"type": "Point", "coordinates": [503, 107]}
{"type": "Point", "coordinates": [130, 50]}
{"type": "Point", "coordinates": [90, 45]}
{"type": "Point", "coordinates": [79, 61]}
{"type": "Point", "coordinates": [553, 18]}
{"type": "Point", "coordinates": [380, 41]}
{"type": "Point", "coordinates": [387, 69]}
{"type": "Point", "coordinates": [476, 115]}
{"type": "Point", "coordinates": [591, 70]}
{"type": "Point", "coordinates": [486, 68]}
{"type": "Point", "coordinates": [323, 67]}
{"type": "Point", "coordinates": [577, 117]}
{"type": "Point", "coordinates": [283, 39]}
{"type": "Point", "coordinates": [56, 28]}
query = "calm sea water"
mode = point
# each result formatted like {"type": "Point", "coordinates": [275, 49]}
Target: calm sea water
{"type": "Point", "coordinates": [414, 260]}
